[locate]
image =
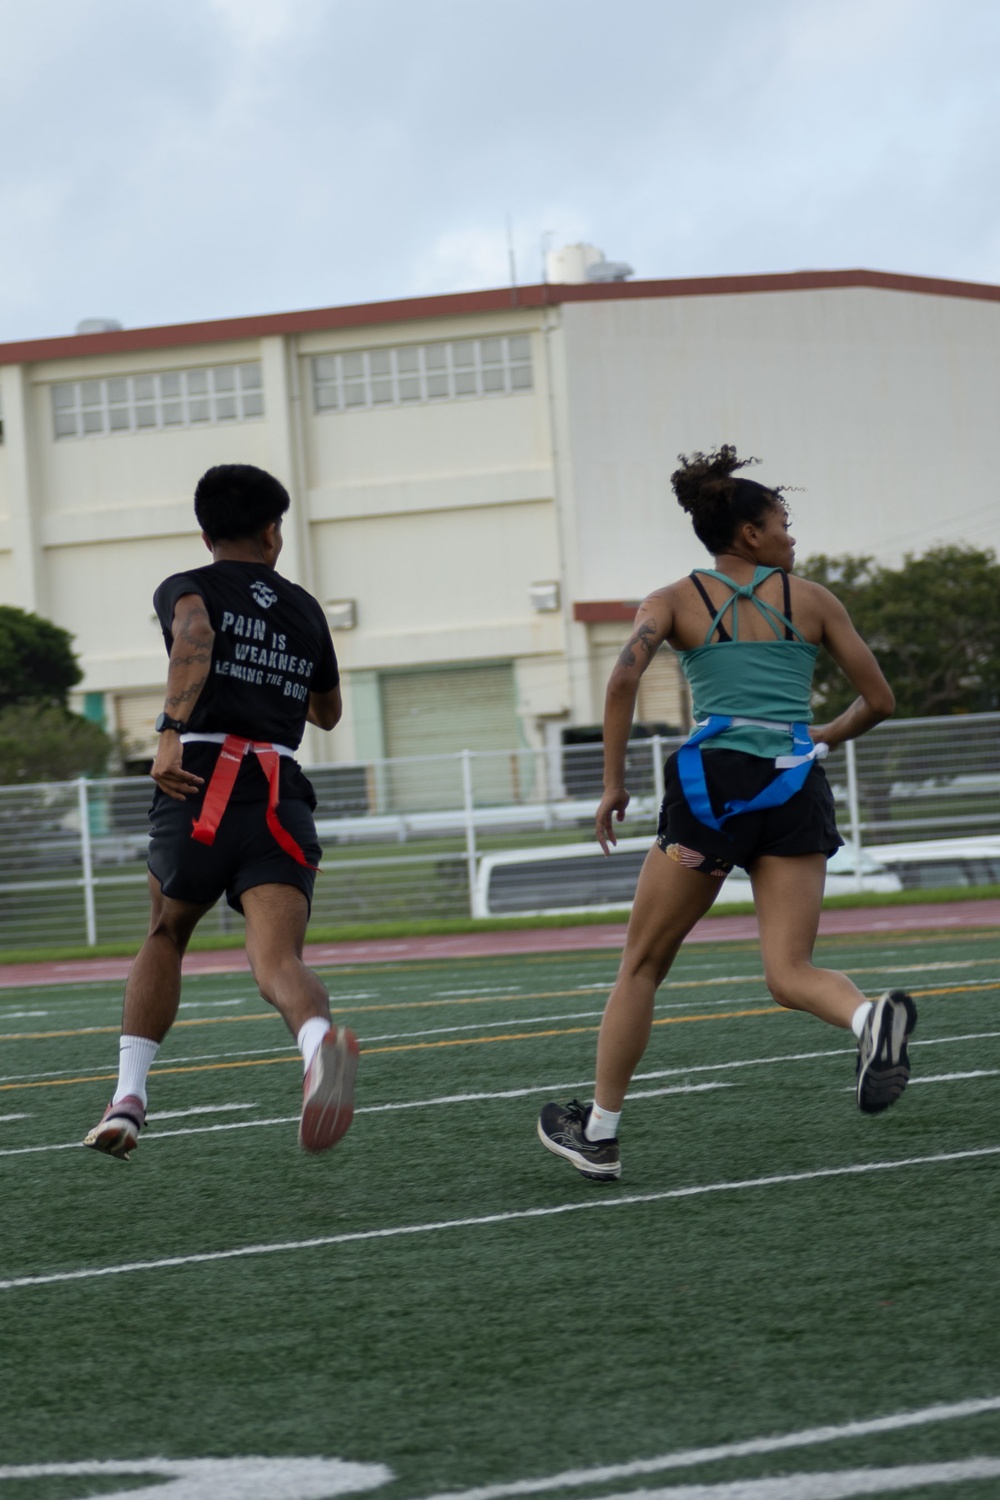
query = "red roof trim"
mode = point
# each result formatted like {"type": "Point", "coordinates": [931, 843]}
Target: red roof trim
{"type": "Point", "coordinates": [605, 611]}
{"type": "Point", "coordinates": [458, 304]}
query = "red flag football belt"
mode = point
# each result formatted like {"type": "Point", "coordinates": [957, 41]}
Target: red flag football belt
{"type": "Point", "coordinates": [221, 786]}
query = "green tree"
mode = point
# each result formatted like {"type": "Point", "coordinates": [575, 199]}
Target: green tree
{"type": "Point", "coordinates": [44, 742]}
{"type": "Point", "coordinates": [36, 659]}
{"type": "Point", "coordinates": [40, 740]}
{"type": "Point", "coordinates": [933, 623]}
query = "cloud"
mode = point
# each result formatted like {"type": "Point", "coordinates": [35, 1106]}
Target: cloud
{"type": "Point", "coordinates": [255, 25]}
{"type": "Point", "coordinates": [222, 157]}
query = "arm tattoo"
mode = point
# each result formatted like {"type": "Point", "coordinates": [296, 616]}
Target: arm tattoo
{"type": "Point", "coordinates": [196, 631]}
{"type": "Point", "coordinates": [198, 654]}
{"type": "Point", "coordinates": [186, 695]}
{"type": "Point", "coordinates": [643, 638]}
{"type": "Point", "coordinates": [190, 654]}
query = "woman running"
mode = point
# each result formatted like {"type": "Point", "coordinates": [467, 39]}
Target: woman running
{"type": "Point", "coordinates": [746, 789]}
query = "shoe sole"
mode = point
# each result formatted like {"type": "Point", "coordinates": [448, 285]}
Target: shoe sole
{"type": "Point", "coordinates": [894, 1021]}
{"type": "Point", "coordinates": [329, 1110]}
{"type": "Point", "coordinates": [113, 1138]}
{"type": "Point", "coordinates": [582, 1165]}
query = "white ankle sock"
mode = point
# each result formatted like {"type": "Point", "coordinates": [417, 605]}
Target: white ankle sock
{"type": "Point", "coordinates": [310, 1038]}
{"type": "Point", "coordinates": [859, 1017]}
{"type": "Point", "coordinates": [602, 1124]}
{"type": "Point", "coordinates": [135, 1058]}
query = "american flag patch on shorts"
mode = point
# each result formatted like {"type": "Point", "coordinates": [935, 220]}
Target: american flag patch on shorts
{"type": "Point", "coordinates": [708, 864]}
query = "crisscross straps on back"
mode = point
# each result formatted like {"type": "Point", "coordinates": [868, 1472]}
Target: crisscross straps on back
{"type": "Point", "coordinates": [220, 789]}
{"type": "Point", "coordinates": [780, 623]}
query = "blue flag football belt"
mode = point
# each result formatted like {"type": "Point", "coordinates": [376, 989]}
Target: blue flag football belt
{"type": "Point", "coordinates": [794, 768]}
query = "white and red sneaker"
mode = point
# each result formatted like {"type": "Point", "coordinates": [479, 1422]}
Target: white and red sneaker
{"type": "Point", "coordinates": [328, 1091]}
{"type": "Point", "coordinates": [118, 1132]}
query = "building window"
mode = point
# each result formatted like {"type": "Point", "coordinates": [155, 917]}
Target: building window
{"type": "Point", "coordinates": [173, 398]}
{"type": "Point", "coordinates": [416, 373]}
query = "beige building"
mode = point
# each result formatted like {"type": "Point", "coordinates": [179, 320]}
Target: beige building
{"type": "Point", "coordinates": [480, 482]}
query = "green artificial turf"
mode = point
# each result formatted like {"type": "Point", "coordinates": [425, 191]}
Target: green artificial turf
{"type": "Point", "coordinates": [569, 1324]}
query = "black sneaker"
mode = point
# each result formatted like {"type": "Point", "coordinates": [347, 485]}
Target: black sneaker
{"type": "Point", "coordinates": [561, 1131]}
{"type": "Point", "coordinates": [883, 1066]}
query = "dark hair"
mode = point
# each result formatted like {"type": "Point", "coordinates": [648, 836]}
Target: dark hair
{"type": "Point", "coordinates": [235, 501]}
{"type": "Point", "coordinates": [717, 503]}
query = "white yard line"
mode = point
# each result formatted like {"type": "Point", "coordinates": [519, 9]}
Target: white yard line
{"type": "Point", "coordinates": [364, 1109]}
{"type": "Point", "coordinates": [505, 1023]}
{"type": "Point", "coordinates": [838, 1484]}
{"type": "Point", "coordinates": [947, 1077]}
{"type": "Point", "coordinates": [214, 1004]}
{"type": "Point", "coordinates": [942, 1041]}
{"type": "Point", "coordinates": [553, 1089]}
{"type": "Point", "coordinates": [749, 1448]}
{"type": "Point", "coordinates": [287, 1247]}
{"type": "Point", "coordinates": [195, 1057]}
{"type": "Point", "coordinates": [206, 1057]}
{"type": "Point", "coordinates": [216, 1478]}
{"type": "Point", "coordinates": [955, 1077]}
{"type": "Point", "coordinates": [690, 981]}
{"type": "Point", "coordinates": [500, 991]}
{"type": "Point", "coordinates": [198, 1109]}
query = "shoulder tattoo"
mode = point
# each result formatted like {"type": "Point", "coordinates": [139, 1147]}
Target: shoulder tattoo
{"type": "Point", "coordinates": [643, 639]}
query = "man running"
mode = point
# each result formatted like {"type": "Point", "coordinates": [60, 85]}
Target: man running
{"type": "Point", "coordinates": [251, 660]}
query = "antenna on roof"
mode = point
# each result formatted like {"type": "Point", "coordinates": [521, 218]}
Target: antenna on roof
{"type": "Point", "coordinates": [545, 242]}
{"type": "Point", "coordinates": [511, 259]}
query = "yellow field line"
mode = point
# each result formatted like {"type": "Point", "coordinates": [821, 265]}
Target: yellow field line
{"type": "Point", "coordinates": [956, 989]}
{"type": "Point", "coordinates": [518, 1036]}
{"type": "Point", "coordinates": [524, 1036]}
{"type": "Point", "coordinates": [335, 1010]}
{"type": "Point", "coordinates": [900, 937]}
{"type": "Point", "coordinates": [471, 1041]}
{"type": "Point", "coordinates": [364, 1010]}
{"type": "Point", "coordinates": [44, 1036]}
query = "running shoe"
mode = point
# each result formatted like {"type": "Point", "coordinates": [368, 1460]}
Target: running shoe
{"type": "Point", "coordinates": [883, 1065]}
{"type": "Point", "coordinates": [118, 1133]}
{"type": "Point", "coordinates": [561, 1130]}
{"type": "Point", "coordinates": [328, 1091]}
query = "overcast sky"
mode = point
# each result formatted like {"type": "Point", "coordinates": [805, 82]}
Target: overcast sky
{"type": "Point", "coordinates": [174, 160]}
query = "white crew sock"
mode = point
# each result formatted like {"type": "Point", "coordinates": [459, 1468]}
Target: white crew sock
{"type": "Point", "coordinates": [310, 1038]}
{"type": "Point", "coordinates": [135, 1058]}
{"type": "Point", "coordinates": [859, 1018]}
{"type": "Point", "coordinates": [602, 1124]}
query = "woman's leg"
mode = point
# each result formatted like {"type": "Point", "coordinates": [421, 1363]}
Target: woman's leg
{"type": "Point", "coordinates": [669, 900]}
{"type": "Point", "coordinates": [788, 895]}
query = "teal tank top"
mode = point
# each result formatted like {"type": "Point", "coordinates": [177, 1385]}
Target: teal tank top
{"type": "Point", "coordinates": [751, 679]}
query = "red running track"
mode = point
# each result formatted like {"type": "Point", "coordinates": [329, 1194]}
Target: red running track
{"type": "Point", "coordinates": [934, 916]}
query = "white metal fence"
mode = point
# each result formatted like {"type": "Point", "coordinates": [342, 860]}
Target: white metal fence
{"type": "Point", "coordinates": [422, 838]}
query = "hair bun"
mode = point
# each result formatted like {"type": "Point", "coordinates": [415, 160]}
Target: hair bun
{"type": "Point", "coordinates": [705, 480]}
{"type": "Point", "coordinates": [717, 502]}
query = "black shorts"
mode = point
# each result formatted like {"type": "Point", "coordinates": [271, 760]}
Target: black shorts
{"type": "Point", "coordinates": [245, 853]}
{"type": "Point", "coordinates": [805, 824]}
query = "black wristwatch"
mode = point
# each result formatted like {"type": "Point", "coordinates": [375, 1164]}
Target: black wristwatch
{"type": "Point", "coordinates": [166, 722]}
